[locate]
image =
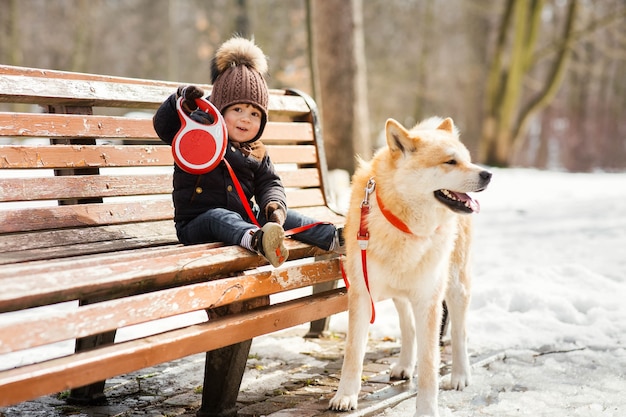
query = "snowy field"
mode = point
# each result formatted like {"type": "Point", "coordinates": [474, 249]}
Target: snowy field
{"type": "Point", "coordinates": [549, 296]}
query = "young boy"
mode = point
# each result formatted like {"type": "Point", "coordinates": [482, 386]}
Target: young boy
{"type": "Point", "coordinates": [207, 207]}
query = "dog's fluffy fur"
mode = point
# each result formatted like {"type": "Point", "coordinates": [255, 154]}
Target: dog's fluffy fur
{"type": "Point", "coordinates": [421, 176]}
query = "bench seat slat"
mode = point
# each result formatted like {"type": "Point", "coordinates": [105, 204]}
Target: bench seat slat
{"type": "Point", "coordinates": [97, 318]}
{"type": "Point", "coordinates": [65, 243]}
{"type": "Point", "coordinates": [122, 274]}
{"type": "Point", "coordinates": [86, 367]}
{"type": "Point", "coordinates": [77, 215]}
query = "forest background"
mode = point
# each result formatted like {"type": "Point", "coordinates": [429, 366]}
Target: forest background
{"type": "Point", "coordinates": [532, 83]}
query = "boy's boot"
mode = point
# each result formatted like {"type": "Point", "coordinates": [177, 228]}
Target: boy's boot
{"type": "Point", "coordinates": [269, 242]}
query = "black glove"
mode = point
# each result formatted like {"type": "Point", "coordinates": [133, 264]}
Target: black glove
{"type": "Point", "coordinates": [201, 117]}
{"type": "Point", "coordinates": [276, 213]}
{"type": "Point", "coordinates": [189, 93]}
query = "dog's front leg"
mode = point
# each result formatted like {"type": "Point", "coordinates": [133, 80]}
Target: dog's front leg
{"type": "Point", "coordinates": [359, 314]}
{"type": "Point", "coordinates": [427, 321]}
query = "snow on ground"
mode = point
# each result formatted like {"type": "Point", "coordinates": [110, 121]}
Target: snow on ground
{"type": "Point", "coordinates": [549, 294]}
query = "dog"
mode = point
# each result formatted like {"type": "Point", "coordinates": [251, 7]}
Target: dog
{"type": "Point", "coordinates": [408, 222]}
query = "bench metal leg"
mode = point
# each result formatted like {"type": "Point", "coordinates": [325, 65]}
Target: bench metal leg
{"type": "Point", "coordinates": [318, 328]}
{"type": "Point", "coordinates": [224, 368]}
{"type": "Point", "coordinates": [90, 394]}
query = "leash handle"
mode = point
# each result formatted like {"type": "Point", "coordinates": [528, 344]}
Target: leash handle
{"type": "Point", "coordinates": [198, 148]}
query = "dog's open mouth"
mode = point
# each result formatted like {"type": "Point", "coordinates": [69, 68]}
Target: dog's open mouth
{"type": "Point", "coordinates": [459, 202]}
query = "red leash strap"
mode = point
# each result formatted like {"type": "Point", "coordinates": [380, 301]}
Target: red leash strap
{"type": "Point", "coordinates": [242, 195]}
{"type": "Point", "coordinates": [246, 206]}
{"type": "Point", "coordinates": [363, 237]}
{"type": "Point", "coordinates": [301, 229]}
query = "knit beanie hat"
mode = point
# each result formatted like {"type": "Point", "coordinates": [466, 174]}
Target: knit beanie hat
{"type": "Point", "coordinates": [237, 72]}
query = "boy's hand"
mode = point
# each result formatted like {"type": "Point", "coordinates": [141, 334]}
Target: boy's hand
{"type": "Point", "coordinates": [276, 213]}
{"type": "Point", "coordinates": [189, 93]}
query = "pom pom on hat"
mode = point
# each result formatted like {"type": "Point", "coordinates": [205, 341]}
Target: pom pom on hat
{"type": "Point", "coordinates": [237, 74]}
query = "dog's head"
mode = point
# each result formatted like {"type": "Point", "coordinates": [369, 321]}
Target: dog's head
{"type": "Point", "coordinates": [431, 158]}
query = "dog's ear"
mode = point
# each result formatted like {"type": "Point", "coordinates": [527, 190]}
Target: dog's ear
{"type": "Point", "coordinates": [447, 125]}
{"type": "Point", "coordinates": [398, 137]}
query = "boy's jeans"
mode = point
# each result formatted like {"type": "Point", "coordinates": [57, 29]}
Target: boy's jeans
{"type": "Point", "coordinates": [222, 225]}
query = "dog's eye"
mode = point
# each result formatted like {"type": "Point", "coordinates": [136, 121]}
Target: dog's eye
{"type": "Point", "coordinates": [451, 162]}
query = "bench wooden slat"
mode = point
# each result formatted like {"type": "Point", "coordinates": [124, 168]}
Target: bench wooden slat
{"type": "Point", "coordinates": [99, 156]}
{"type": "Point", "coordinates": [55, 244]}
{"type": "Point", "coordinates": [84, 156]}
{"type": "Point", "coordinates": [40, 218]}
{"type": "Point", "coordinates": [45, 125]}
{"type": "Point", "coordinates": [50, 91]}
{"type": "Point", "coordinates": [85, 186]}
{"type": "Point", "coordinates": [49, 87]}
{"type": "Point", "coordinates": [304, 198]}
{"type": "Point", "coordinates": [86, 367]}
{"type": "Point", "coordinates": [97, 318]}
{"type": "Point", "coordinates": [73, 125]}
{"type": "Point", "coordinates": [123, 274]}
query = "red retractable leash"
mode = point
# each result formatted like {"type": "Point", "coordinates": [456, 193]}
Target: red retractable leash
{"type": "Point", "coordinates": [198, 148]}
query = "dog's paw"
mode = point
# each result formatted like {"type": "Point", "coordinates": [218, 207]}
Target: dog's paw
{"type": "Point", "coordinates": [399, 372]}
{"type": "Point", "coordinates": [343, 403]}
{"type": "Point", "coordinates": [459, 380]}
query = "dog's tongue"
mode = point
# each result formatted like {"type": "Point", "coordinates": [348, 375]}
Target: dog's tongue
{"type": "Point", "coordinates": [469, 201]}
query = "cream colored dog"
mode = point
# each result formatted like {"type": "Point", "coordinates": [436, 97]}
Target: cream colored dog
{"type": "Point", "coordinates": [416, 243]}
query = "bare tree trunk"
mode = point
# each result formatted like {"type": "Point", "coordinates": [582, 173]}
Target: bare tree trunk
{"type": "Point", "coordinates": [15, 50]}
{"type": "Point", "coordinates": [552, 84]}
{"type": "Point", "coordinates": [340, 56]}
{"type": "Point", "coordinates": [81, 39]}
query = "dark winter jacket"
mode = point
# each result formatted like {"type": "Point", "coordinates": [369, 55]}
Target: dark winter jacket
{"type": "Point", "coordinates": [194, 194]}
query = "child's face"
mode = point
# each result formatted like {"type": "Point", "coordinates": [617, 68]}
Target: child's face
{"type": "Point", "coordinates": [243, 122]}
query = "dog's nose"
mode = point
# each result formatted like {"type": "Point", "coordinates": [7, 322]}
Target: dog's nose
{"type": "Point", "coordinates": [485, 176]}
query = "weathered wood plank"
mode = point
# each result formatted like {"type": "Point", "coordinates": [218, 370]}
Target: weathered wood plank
{"type": "Point", "coordinates": [304, 198]}
{"type": "Point", "coordinates": [100, 156]}
{"type": "Point", "coordinates": [47, 87]}
{"type": "Point", "coordinates": [38, 125]}
{"type": "Point", "coordinates": [73, 126]}
{"type": "Point", "coordinates": [122, 274]}
{"type": "Point", "coordinates": [84, 156]}
{"type": "Point", "coordinates": [64, 243]}
{"type": "Point", "coordinates": [83, 368]}
{"type": "Point", "coordinates": [83, 186]}
{"type": "Point", "coordinates": [84, 215]}
{"type": "Point", "coordinates": [97, 318]}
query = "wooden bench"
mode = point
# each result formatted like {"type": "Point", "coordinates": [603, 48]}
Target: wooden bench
{"type": "Point", "coordinates": [88, 246]}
